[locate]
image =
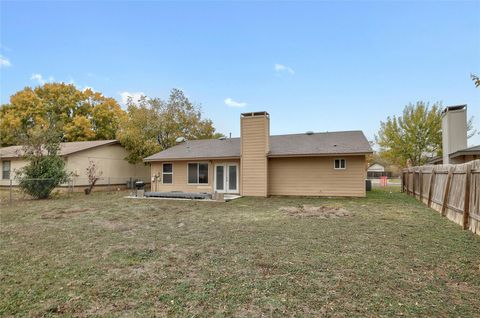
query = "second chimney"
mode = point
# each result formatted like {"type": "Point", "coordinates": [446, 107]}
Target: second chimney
{"type": "Point", "coordinates": [454, 130]}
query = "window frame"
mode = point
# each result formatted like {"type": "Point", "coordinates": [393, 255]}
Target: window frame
{"type": "Point", "coordinates": [198, 172]}
{"type": "Point", "coordinates": [340, 164]}
{"type": "Point", "coordinates": [9, 169]}
{"type": "Point", "coordinates": [169, 173]}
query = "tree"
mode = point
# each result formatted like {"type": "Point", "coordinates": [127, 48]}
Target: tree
{"type": "Point", "coordinates": [79, 115]}
{"type": "Point", "coordinates": [45, 169]}
{"type": "Point", "coordinates": [475, 79]}
{"type": "Point", "coordinates": [93, 174]}
{"type": "Point", "coordinates": [154, 125]}
{"type": "Point", "coordinates": [414, 136]}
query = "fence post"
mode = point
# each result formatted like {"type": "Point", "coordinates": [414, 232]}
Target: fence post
{"type": "Point", "coordinates": [10, 195]}
{"type": "Point", "coordinates": [109, 189]}
{"type": "Point", "coordinates": [420, 183]}
{"type": "Point", "coordinates": [413, 183]}
{"type": "Point", "coordinates": [408, 181]}
{"type": "Point", "coordinates": [466, 204]}
{"type": "Point", "coordinates": [447, 191]}
{"type": "Point", "coordinates": [431, 187]}
{"type": "Point", "coordinates": [402, 181]}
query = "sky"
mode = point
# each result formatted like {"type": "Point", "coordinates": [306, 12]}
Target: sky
{"type": "Point", "coordinates": [314, 66]}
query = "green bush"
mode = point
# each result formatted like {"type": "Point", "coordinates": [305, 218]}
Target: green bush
{"type": "Point", "coordinates": [42, 175]}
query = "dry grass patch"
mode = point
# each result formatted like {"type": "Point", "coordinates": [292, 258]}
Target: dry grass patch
{"type": "Point", "coordinates": [386, 255]}
{"type": "Point", "coordinates": [323, 211]}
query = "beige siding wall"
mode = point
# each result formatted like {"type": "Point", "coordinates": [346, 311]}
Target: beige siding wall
{"type": "Point", "coordinates": [180, 176]}
{"type": "Point", "coordinates": [15, 165]}
{"type": "Point", "coordinates": [110, 160]}
{"type": "Point", "coordinates": [254, 148]}
{"type": "Point", "coordinates": [316, 176]}
{"type": "Point", "coordinates": [463, 159]}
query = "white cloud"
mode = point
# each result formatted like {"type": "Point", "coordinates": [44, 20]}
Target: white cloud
{"type": "Point", "coordinates": [4, 62]}
{"type": "Point", "coordinates": [283, 68]}
{"type": "Point", "coordinates": [231, 103]}
{"type": "Point", "coordinates": [135, 96]}
{"type": "Point", "coordinates": [40, 80]}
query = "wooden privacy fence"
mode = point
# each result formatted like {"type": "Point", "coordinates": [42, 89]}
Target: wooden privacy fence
{"type": "Point", "coordinates": [452, 190]}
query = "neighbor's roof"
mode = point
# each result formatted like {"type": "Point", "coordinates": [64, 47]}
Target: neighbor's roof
{"type": "Point", "coordinates": [318, 144]}
{"type": "Point", "coordinates": [475, 150]}
{"type": "Point", "coordinates": [66, 148]}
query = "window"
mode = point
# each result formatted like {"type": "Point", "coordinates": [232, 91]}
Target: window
{"type": "Point", "coordinates": [5, 170]}
{"type": "Point", "coordinates": [340, 164]}
{"type": "Point", "coordinates": [167, 173]}
{"type": "Point", "coordinates": [198, 173]}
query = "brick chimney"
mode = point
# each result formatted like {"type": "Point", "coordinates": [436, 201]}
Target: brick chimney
{"type": "Point", "coordinates": [254, 136]}
{"type": "Point", "coordinates": [454, 130]}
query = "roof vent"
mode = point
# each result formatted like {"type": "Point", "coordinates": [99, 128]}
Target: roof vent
{"type": "Point", "coordinates": [309, 132]}
{"type": "Point", "coordinates": [180, 140]}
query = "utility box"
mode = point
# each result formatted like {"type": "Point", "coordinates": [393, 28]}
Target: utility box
{"type": "Point", "coordinates": [140, 185]}
{"type": "Point", "coordinates": [368, 185]}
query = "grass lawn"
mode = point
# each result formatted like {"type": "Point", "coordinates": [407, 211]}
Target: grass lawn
{"type": "Point", "coordinates": [104, 255]}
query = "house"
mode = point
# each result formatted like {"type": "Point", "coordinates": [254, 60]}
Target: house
{"type": "Point", "coordinates": [454, 138]}
{"type": "Point", "coordinates": [108, 155]}
{"type": "Point", "coordinates": [376, 167]}
{"type": "Point", "coordinates": [377, 170]}
{"type": "Point", "coordinates": [258, 164]}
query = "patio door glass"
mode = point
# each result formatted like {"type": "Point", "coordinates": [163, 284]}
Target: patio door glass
{"type": "Point", "coordinates": [220, 178]}
{"type": "Point", "coordinates": [232, 178]}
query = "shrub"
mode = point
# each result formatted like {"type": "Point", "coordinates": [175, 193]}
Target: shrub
{"type": "Point", "coordinates": [45, 169]}
{"type": "Point", "coordinates": [41, 176]}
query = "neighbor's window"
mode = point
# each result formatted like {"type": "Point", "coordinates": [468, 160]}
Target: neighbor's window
{"type": "Point", "coordinates": [340, 164]}
{"type": "Point", "coordinates": [167, 173]}
{"type": "Point", "coordinates": [5, 170]}
{"type": "Point", "coordinates": [198, 173]}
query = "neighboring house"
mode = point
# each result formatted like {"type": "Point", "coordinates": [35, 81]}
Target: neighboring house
{"type": "Point", "coordinates": [460, 156]}
{"type": "Point", "coordinates": [257, 164]}
{"type": "Point", "coordinates": [376, 170]}
{"type": "Point", "coordinates": [376, 167]}
{"type": "Point", "coordinates": [454, 137]}
{"type": "Point", "coordinates": [108, 155]}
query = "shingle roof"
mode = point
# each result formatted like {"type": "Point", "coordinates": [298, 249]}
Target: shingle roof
{"type": "Point", "coordinates": [475, 150]}
{"type": "Point", "coordinates": [66, 148]}
{"type": "Point", "coordinates": [318, 144]}
{"type": "Point", "coordinates": [339, 142]}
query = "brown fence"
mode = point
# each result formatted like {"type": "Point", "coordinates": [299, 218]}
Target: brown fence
{"type": "Point", "coordinates": [452, 190]}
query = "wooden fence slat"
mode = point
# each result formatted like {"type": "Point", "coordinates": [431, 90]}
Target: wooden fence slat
{"type": "Point", "coordinates": [447, 191]}
{"type": "Point", "coordinates": [466, 204]}
{"type": "Point", "coordinates": [420, 183]}
{"type": "Point", "coordinates": [430, 188]}
{"type": "Point", "coordinates": [413, 184]}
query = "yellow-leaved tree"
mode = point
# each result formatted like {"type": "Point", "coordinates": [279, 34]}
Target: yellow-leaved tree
{"type": "Point", "coordinates": [77, 115]}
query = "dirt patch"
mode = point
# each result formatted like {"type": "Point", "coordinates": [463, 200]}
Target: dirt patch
{"type": "Point", "coordinates": [70, 212]}
{"type": "Point", "coordinates": [323, 211]}
{"type": "Point", "coordinates": [114, 225]}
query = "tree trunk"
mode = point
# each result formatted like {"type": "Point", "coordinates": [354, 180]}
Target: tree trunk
{"type": "Point", "coordinates": [90, 187]}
